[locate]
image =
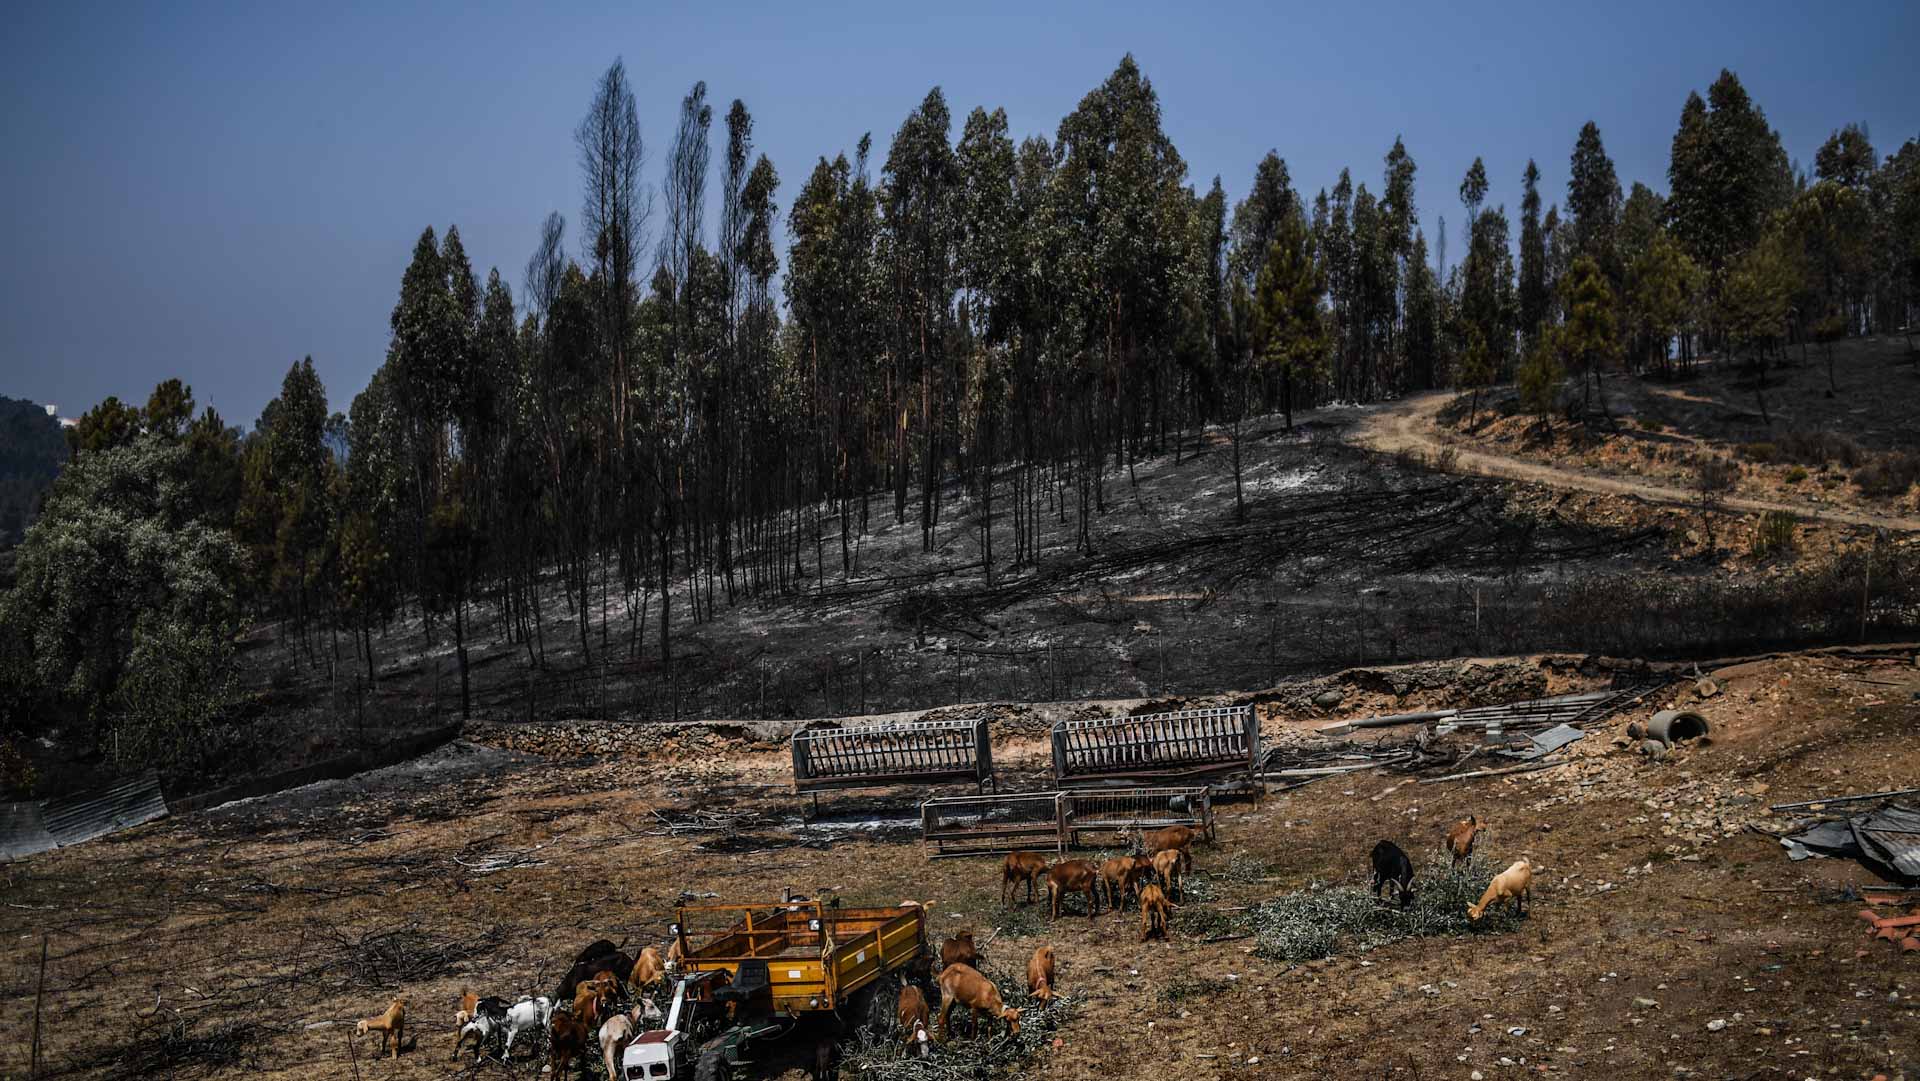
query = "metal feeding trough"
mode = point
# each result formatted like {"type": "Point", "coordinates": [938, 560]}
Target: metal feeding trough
{"type": "Point", "coordinates": [881, 755]}
{"type": "Point", "coordinates": [1191, 745]}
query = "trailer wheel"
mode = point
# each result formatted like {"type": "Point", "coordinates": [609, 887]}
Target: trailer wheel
{"type": "Point", "coordinates": [873, 1006]}
{"type": "Point", "coordinates": [712, 1066]}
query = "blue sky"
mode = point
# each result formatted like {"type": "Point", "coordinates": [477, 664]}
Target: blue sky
{"type": "Point", "coordinates": [212, 192]}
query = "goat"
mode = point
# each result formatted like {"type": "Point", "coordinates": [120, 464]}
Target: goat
{"type": "Point", "coordinates": [592, 993]}
{"type": "Point", "coordinates": [1154, 908]}
{"type": "Point", "coordinates": [1460, 838]}
{"type": "Point", "coordinates": [1515, 884]}
{"type": "Point", "coordinates": [1172, 837]}
{"type": "Point", "coordinates": [913, 1020]}
{"type": "Point", "coordinates": [527, 1015]}
{"type": "Point", "coordinates": [479, 1018]}
{"type": "Point", "coordinates": [962, 985]}
{"type": "Point", "coordinates": [1166, 864]}
{"type": "Point", "coordinates": [647, 971]}
{"type": "Point", "coordinates": [1019, 867]}
{"type": "Point", "coordinates": [392, 1025]}
{"type": "Point", "coordinates": [1120, 875]}
{"type": "Point", "coordinates": [1040, 974]}
{"type": "Point", "coordinates": [586, 969]}
{"type": "Point", "coordinates": [1391, 865]}
{"type": "Point", "coordinates": [676, 953]}
{"type": "Point", "coordinates": [567, 1037]}
{"type": "Point", "coordinates": [959, 950]}
{"type": "Point", "coordinates": [1073, 876]}
{"type": "Point", "coordinates": [615, 1035]}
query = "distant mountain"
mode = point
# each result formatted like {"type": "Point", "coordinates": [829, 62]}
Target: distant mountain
{"type": "Point", "coordinates": [32, 450]}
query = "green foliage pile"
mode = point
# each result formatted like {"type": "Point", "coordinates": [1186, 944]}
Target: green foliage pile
{"type": "Point", "coordinates": [1322, 918]}
{"type": "Point", "coordinates": [883, 1057]}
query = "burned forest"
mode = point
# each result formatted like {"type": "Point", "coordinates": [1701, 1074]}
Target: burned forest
{"type": "Point", "coordinates": [967, 598]}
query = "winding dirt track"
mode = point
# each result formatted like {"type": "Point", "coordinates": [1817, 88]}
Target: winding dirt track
{"type": "Point", "coordinates": [1409, 424]}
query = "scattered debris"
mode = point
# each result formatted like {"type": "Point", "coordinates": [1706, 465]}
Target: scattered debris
{"type": "Point", "coordinates": [1545, 743]}
{"type": "Point", "coordinates": [1886, 841]}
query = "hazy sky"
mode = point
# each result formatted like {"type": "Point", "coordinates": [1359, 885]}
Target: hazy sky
{"type": "Point", "coordinates": [213, 192]}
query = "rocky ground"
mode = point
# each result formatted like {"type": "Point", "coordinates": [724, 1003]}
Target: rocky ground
{"type": "Point", "coordinates": [1669, 938]}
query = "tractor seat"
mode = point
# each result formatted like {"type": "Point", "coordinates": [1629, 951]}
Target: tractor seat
{"type": "Point", "coordinates": [752, 978]}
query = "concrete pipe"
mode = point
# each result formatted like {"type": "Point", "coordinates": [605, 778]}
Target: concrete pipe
{"type": "Point", "coordinates": [1676, 725]}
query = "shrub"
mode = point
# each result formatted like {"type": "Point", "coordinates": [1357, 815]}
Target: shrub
{"type": "Point", "coordinates": [1772, 534]}
{"type": "Point", "coordinates": [1889, 474]}
{"type": "Point", "coordinates": [1759, 452]}
{"type": "Point", "coordinates": [1713, 474]}
{"type": "Point", "coordinates": [1819, 448]}
{"type": "Point", "coordinates": [1797, 474]}
{"type": "Point", "coordinates": [1446, 458]}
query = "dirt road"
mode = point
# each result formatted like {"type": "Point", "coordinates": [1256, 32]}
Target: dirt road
{"type": "Point", "coordinates": [1409, 425]}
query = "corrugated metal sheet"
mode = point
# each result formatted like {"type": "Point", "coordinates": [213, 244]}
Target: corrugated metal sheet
{"type": "Point", "coordinates": [23, 830]}
{"type": "Point", "coordinates": [1891, 835]}
{"type": "Point", "coordinates": [82, 818]}
{"type": "Point", "coordinates": [26, 828]}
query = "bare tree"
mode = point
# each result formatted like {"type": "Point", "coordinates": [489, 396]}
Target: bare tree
{"type": "Point", "coordinates": [547, 265]}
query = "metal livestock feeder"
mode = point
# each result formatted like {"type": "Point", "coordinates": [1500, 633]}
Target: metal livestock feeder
{"type": "Point", "coordinates": [1128, 809]}
{"type": "Point", "coordinates": [1186, 745]}
{"type": "Point", "coordinates": [988, 825]}
{"type": "Point", "coordinates": [1009, 821]}
{"type": "Point", "coordinates": [875, 756]}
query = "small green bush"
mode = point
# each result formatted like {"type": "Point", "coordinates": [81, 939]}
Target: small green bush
{"type": "Point", "coordinates": [1759, 452]}
{"type": "Point", "coordinates": [1772, 534]}
{"type": "Point", "coordinates": [1797, 474]}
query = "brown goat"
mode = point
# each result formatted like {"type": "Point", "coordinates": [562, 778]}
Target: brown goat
{"type": "Point", "coordinates": [469, 1002]}
{"type": "Point", "coordinates": [1166, 864]}
{"type": "Point", "coordinates": [1179, 838]}
{"type": "Point", "coordinates": [1120, 875]}
{"type": "Point", "coordinates": [567, 1037]}
{"type": "Point", "coordinates": [1021, 867]}
{"type": "Point", "coordinates": [1460, 838]}
{"type": "Point", "coordinates": [959, 950]}
{"type": "Point", "coordinates": [962, 985]}
{"type": "Point", "coordinates": [647, 971]}
{"type": "Point", "coordinates": [1073, 876]}
{"type": "Point", "coordinates": [1513, 884]}
{"type": "Point", "coordinates": [913, 1020]}
{"type": "Point", "coordinates": [1154, 908]}
{"type": "Point", "coordinates": [1040, 974]}
{"type": "Point", "coordinates": [392, 1025]}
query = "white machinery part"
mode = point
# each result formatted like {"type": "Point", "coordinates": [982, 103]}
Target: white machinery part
{"type": "Point", "coordinates": [649, 1057]}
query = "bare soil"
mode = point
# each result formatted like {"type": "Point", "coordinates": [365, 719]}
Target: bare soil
{"type": "Point", "coordinates": [244, 940]}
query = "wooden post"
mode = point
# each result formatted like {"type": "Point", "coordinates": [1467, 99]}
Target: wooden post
{"type": "Point", "coordinates": [39, 993]}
